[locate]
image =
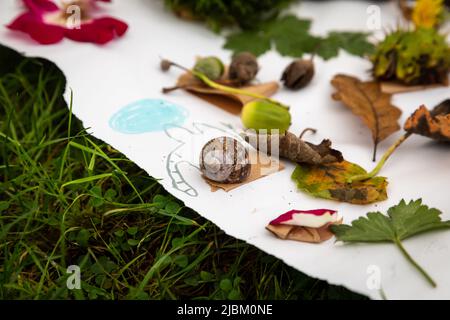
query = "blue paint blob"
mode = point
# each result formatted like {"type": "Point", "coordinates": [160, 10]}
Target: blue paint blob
{"type": "Point", "coordinates": [147, 115]}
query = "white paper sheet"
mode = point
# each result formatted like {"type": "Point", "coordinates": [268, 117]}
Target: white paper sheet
{"type": "Point", "coordinates": [105, 79]}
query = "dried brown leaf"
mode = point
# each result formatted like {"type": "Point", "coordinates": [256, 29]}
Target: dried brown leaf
{"type": "Point", "coordinates": [294, 148]}
{"type": "Point", "coordinates": [232, 103]}
{"type": "Point", "coordinates": [434, 124]}
{"type": "Point", "coordinates": [302, 234]}
{"type": "Point", "coordinates": [366, 100]}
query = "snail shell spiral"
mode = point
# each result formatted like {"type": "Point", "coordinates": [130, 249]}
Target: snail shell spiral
{"type": "Point", "coordinates": [225, 160]}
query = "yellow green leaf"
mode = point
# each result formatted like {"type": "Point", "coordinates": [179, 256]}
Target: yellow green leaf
{"type": "Point", "coordinates": [329, 181]}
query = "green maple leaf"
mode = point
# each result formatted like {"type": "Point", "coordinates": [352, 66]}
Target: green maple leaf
{"type": "Point", "coordinates": [353, 42]}
{"type": "Point", "coordinates": [329, 48]}
{"type": "Point", "coordinates": [403, 221]}
{"type": "Point", "coordinates": [252, 41]}
{"type": "Point", "coordinates": [292, 38]}
{"type": "Point", "coordinates": [296, 47]}
{"type": "Point", "coordinates": [287, 25]}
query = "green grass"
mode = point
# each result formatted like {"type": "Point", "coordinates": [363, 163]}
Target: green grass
{"type": "Point", "coordinates": [67, 198]}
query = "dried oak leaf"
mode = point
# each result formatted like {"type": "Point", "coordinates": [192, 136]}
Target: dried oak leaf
{"type": "Point", "coordinates": [329, 181]}
{"type": "Point", "coordinates": [305, 226]}
{"type": "Point", "coordinates": [434, 124]}
{"type": "Point", "coordinates": [366, 100]}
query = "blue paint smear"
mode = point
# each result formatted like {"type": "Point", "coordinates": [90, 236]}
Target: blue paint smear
{"type": "Point", "coordinates": [147, 115]}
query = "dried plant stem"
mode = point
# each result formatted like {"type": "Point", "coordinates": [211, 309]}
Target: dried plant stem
{"type": "Point", "coordinates": [228, 89]}
{"type": "Point", "coordinates": [382, 161]}
{"type": "Point", "coordinates": [374, 154]}
{"type": "Point", "coordinates": [170, 89]}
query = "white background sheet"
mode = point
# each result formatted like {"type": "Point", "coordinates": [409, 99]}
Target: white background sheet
{"type": "Point", "coordinates": [104, 79]}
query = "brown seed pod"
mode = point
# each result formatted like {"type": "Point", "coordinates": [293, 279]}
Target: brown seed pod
{"type": "Point", "coordinates": [165, 64]}
{"type": "Point", "coordinates": [298, 74]}
{"type": "Point", "coordinates": [225, 160]}
{"type": "Point", "coordinates": [243, 68]}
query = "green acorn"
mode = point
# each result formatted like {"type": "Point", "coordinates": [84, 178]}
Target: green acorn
{"type": "Point", "coordinates": [414, 57]}
{"type": "Point", "coordinates": [212, 67]}
{"type": "Point", "coordinates": [263, 114]}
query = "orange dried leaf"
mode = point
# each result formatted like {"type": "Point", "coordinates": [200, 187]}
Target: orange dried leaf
{"type": "Point", "coordinates": [303, 234]}
{"type": "Point", "coordinates": [434, 124]}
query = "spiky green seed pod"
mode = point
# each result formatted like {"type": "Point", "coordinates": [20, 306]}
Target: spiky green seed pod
{"type": "Point", "coordinates": [420, 56]}
{"type": "Point", "coordinates": [212, 67]}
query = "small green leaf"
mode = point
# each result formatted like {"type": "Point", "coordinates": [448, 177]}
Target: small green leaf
{"type": "Point", "coordinates": [96, 191]}
{"type": "Point", "coordinates": [181, 261]}
{"type": "Point", "coordinates": [192, 281]}
{"type": "Point", "coordinates": [160, 201]}
{"type": "Point", "coordinates": [119, 233]}
{"type": "Point", "coordinates": [226, 285]}
{"type": "Point", "coordinates": [234, 295]}
{"type": "Point", "coordinates": [133, 242]}
{"type": "Point", "coordinates": [125, 246]}
{"type": "Point", "coordinates": [172, 207]}
{"type": "Point", "coordinates": [132, 231]}
{"type": "Point", "coordinates": [96, 202]}
{"type": "Point", "coordinates": [137, 294]}
{"type": "Point", "coordinates": [97, 198]}
{"type": "Point", "coordinates": [83, 237]}
{"type": "Point", "coordinates": [110, 194]}
{"type": "Point", "coordinates": [177, 242]}
{"type": "Point", "coordinates": [206, 276]}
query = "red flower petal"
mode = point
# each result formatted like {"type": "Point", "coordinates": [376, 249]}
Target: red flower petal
{"type": "Point", "coordinates": [40, 6]}
{"type": "Point", "coordinates": [37, 29]}
{"type": "Point", "coordinates": [98, 31]}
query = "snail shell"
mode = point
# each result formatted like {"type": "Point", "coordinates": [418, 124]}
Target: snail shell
{"type": "Point", "coordinates": [225, 160]}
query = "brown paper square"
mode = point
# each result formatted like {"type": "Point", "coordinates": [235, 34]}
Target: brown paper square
{"type": "Point", "coordinates": [269, 164]}
{"type": "Point", "coordinates": [394, 87]}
